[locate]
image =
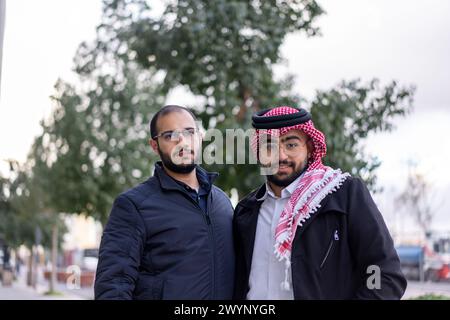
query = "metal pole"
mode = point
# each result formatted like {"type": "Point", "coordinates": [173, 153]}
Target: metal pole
{"type": "Point", "coordinates": [422, 267]}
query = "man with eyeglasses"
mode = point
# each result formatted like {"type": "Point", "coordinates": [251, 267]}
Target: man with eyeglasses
{"type": "Point", "coordinates": [171, 236]}
{"type": "Point", "coordinates": [311, 231]}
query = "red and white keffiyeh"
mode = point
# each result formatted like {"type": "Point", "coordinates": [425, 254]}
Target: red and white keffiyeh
{"type": "Point", "coordinates": [316, 183]}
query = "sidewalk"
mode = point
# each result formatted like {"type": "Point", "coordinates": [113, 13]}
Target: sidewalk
{"type": "Point", "coordinates": [20, 291]}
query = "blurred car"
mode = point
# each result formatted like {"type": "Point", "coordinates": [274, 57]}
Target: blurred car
{"type": "Point", "coordinates": [412, 259]}
{"type": "Point", "coordinates": [421, 263]}
{"type": "Point", "coordinates": [89, 259]}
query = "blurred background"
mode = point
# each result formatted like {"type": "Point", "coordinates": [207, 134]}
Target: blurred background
{"type": "Point", "coordinates": [80, 81]}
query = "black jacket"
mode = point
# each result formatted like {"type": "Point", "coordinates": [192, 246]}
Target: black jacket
{"type": "Point", "coordinates": [159, 243]}
{"type": "Point", "coordinates": [324, 266]}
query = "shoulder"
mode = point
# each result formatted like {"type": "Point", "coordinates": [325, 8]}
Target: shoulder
{"type": "Point", "coordinates": [139, 193]}
{"type": "Point", "coordinates": [352, 189]}
{"type": "Point", "coordinates": [355, 188]}
{"type": "Point", "coordinates": [219, 191]}
{"type": "Point", "coordinates": [350, 183]}
{"type": "Point", "coordinates": [221, 195]}
{"type": "Point", "coordinates": [250, 200]}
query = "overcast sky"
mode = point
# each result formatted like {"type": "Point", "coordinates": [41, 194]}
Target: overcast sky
{"type": "Point", "coordinates": [405, 40]}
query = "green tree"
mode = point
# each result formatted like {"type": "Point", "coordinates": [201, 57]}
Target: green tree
{"type": "Point", "coordinates": [94, 145]}
{"type": "Point", "coordinates": [222, 52]}
{"type": "Point", "coordinates": [350, 112]}
{"type": "Point", "coordinates": [22, 209]}
{"type": "Point", "coordinates": [23, 213]}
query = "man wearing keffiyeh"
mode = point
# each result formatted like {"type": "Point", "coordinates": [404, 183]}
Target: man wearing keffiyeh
{"type": "Point", "coordinates": [311, 231]}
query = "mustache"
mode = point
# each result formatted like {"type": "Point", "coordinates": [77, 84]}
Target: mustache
{"type": "Point", "coordinates": [286, 163]}
{"type": "Point", "coordinates": [280, 163]}
{"type": "Point", "coordinates": [184, 149]}
{"type": "Point", "coordinates": [182, 152]}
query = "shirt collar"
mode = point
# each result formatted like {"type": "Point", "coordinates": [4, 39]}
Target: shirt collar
{"type": "Point", "coordinates": [285, 193]}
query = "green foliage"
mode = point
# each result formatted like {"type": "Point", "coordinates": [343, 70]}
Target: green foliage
{"type": "Point", "coordinates": [94, 146]}
{"type": "Point", "coordinates": [431, 296]}
{"type": "Point", "coordinates": [350, 112]}
{"type": "Point", "coordinates": [22, 211]}
{"type": "Point", "coordinates": [216, 48]}
{"type": "Point", "coordinates": [223, 52]}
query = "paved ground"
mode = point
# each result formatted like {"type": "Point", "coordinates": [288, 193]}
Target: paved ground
{"type": "Point", "coordinates": [20, 291]}
{"type": "Point", "coordinates": [416, 288]}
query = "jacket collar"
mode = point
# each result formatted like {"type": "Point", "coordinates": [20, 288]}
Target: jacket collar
{"type": "Point", "coordinates": [204, 177]}
{"type": "Point", "coordinates": [254, 198]}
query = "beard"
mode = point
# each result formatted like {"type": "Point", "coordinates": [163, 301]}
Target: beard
{"type": "Point", "coordinates": [184, 168]}
{"type": "Point", "coordinates": [286, 180]}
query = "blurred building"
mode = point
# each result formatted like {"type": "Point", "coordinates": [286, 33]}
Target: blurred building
{"type": "Point", "coordinates": [83, 232]}
{"type": "Point", "coordinates": [81, 242]}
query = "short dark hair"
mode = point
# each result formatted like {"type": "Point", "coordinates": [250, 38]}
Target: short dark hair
{"type": "Point", "coordinates": [162, 112]}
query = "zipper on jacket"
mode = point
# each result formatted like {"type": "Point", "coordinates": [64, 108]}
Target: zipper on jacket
{"type": "Point", "coordinates": [205, 214]}
{"type": "Point", "coordinates": [211, 234]}
{"type": "Point", "coordinates": [208, 219]}
{"type": "Point", "coordinates": [330, 246]}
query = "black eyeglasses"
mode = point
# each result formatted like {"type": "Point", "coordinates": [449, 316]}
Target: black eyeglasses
{"type": "Point", "coordinates": [175, 134]}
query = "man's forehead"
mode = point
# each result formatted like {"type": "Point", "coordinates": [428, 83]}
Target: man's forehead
{"type": "Point", "coordinates": [176, 120]}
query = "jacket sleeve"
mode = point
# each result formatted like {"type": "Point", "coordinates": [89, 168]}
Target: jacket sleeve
{"type": "Point", "coordinates": [372, 248]}
{"type": "Point", "coordinates": [120, 252]}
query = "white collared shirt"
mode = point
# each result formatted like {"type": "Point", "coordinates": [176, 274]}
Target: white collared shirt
{"type": "Point", "coordinates": [267, 272]}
